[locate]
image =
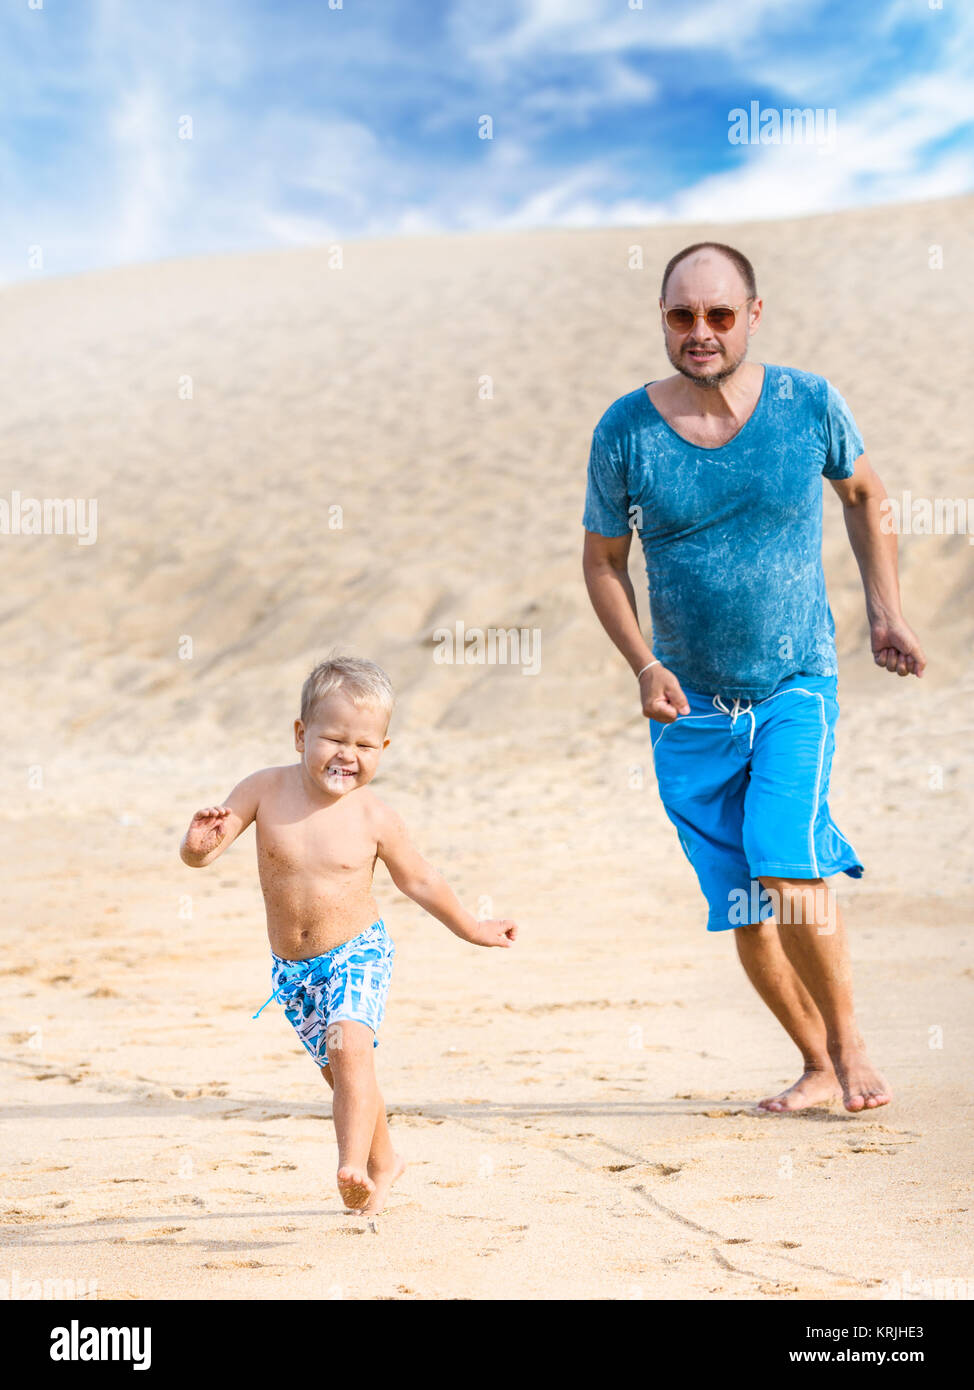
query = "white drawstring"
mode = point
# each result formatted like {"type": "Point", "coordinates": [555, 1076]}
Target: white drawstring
{"type": "Point", "coordinates": [733, 713]}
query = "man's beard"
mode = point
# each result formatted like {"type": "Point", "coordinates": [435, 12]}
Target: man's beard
{"type": "Point", "coordinates": [711, 380]}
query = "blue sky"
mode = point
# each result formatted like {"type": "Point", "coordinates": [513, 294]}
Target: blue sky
{"type": "Point", "coordinates": [312, 124]}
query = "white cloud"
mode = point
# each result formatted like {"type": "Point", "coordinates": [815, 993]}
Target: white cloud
{"type": "Point", "coordinates": [791, 181]}
{"type": "Point", "coordinates": [549, 27]}
{"type": "Point", "coordinates": [614, 84]}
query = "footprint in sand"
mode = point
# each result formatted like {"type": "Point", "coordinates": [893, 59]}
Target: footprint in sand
{"type": "Point", "coordinates": [234, 1264]}
{"type": "Point", "coordinates": [659, 1170]}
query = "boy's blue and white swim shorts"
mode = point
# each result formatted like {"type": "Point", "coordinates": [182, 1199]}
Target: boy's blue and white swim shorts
{"type": "Point", "coordinates": [350, 983]}
{"type": "Point", "coordinates": [746, 785]}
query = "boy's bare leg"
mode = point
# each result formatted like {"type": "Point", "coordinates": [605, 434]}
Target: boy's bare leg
{"type": "Point", "coordinates": [812, 933]}
{"type": "Point", "coordinates": [368, 1164]}
{"type": "Point", "coordinates": [385, 1165]}
{"type": "Point", "coordinates": [773, 976]}
{"type": "Point", "coordinates": [353, 1108]}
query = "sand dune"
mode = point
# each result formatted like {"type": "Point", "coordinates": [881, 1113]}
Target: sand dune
{"type": "Point", "coordinates": [576, 1113]}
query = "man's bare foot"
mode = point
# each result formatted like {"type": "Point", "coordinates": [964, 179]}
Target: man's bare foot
{"type": "Point", "coordinates": [813, 1087]}
{"type": "Point", "coordinates": [384, 1178]}
{"type": "Point", "coordinates": [354, 1186]}
{"type": "Point", "coordinates": [862, 1086]}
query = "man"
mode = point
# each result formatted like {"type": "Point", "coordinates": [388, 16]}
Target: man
{"type": "Point", "coordinates": [718, 469]}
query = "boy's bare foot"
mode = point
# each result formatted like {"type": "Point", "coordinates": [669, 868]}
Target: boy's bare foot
{"type": "Point", "coordinates": [862, 1086]}
{"type": "Point", "coordinates": [355, 1187]}
{"type": "Point", "coordinates": [384, 1178]}
{"type": "Point", "coordinates": [813, 1087]}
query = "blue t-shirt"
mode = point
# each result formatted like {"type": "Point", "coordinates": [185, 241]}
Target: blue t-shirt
{"type": "Point", "coordinates": [732, 536]}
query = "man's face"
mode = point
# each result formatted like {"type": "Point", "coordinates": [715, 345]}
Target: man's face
{"type": "Point", "coordinates": [703, 355]}
{"type": "Point", "coordinates": [341, 743]}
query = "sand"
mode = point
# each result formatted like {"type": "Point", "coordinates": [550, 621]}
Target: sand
{"type": "Point", "coordinates": [578, 1114]}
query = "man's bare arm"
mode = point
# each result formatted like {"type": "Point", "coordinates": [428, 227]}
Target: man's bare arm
{"type": "Point", "coordinates": [605, 564]}
{"type": "Point", "coordinates": [894, 643]}
{"type": "Point", "coordinates": [214, 828]}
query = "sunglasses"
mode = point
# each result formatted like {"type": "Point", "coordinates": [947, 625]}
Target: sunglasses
{"type": "Point", "coordinates": [721, 318]}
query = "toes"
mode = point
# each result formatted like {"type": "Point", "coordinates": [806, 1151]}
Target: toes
{"type": "Point", "coordinates": [866, 1100]}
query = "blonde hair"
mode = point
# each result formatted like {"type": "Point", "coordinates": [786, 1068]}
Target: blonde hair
{"type": "Point", "coordinates": [362, 682]}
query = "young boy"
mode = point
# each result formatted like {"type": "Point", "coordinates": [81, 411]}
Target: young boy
{"type": "Point", "coordinates": [320, 830]}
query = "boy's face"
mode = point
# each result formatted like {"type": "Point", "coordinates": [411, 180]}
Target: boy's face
{"type": "Point", "coordinates": [341, 743]}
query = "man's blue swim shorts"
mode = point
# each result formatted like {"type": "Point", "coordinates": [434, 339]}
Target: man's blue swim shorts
{"type": "Point", "coordinates": [350, 983]}
{"type": "Point", "coordinates": [746, 785]}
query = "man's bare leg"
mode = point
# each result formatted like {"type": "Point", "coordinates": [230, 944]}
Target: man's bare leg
{"type": "Point", "coordinates": [773, 976]}
{"type": "Point", "coordinates": [812, 933]}
{"type": "Point", "coordinates": [352, 1079]}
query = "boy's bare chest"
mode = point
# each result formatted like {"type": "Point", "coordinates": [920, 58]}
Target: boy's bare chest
{"type": "Point", "coordinates": [315, 845]}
